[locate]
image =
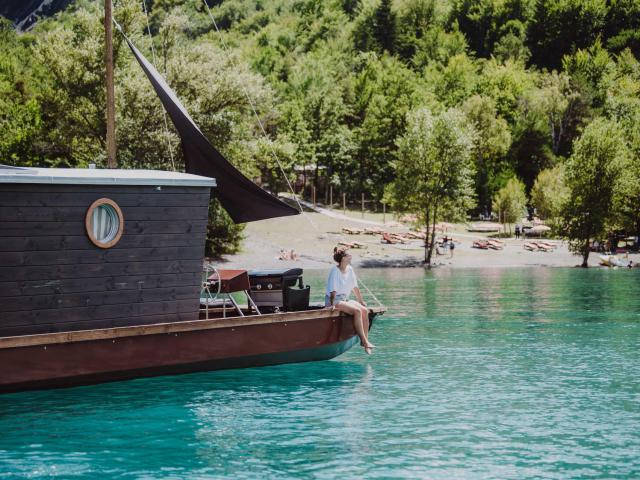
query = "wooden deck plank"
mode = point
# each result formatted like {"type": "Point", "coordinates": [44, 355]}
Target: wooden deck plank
{"type": "Point", "coordinates": [168, 328]}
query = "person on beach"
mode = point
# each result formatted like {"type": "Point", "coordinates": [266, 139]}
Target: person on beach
{"type": "Point", "coordinates": [452, 247]}
{"type": "Point", "coordinates": [517, 231]}
{"type": "Point", "coordinates": [341, 282]}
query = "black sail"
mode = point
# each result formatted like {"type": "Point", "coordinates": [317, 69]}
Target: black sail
{"type": "Point", "coordinates": [243, 200]}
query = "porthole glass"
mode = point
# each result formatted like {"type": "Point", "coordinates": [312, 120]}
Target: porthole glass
{"type": "Point", "coordinates": [104, 223]}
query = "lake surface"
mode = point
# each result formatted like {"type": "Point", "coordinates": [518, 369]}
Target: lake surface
{"type": "Point", "coordinates": [510, 374]}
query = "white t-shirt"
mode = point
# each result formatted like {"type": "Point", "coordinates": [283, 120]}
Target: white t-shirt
{"type": "Point", "coordinates": [341, 283]}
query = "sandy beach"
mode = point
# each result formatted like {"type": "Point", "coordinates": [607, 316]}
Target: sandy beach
{"type": "Point", "coordinates": [313, 236]}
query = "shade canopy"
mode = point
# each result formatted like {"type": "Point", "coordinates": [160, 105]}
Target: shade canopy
{"type": "Point", "coordinates": [540, 229]}
{"type": "Point", "coordinates": [243, 200]}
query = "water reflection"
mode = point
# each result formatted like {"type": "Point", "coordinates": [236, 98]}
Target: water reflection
{"type": "Point", "coordinates": [487, 373]}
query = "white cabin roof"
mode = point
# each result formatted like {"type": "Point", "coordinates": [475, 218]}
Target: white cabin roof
{"type": "Point", "coordinates": [100, 176]}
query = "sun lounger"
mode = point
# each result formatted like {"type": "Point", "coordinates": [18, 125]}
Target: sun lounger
{"type": "Point", "coordinates": [544, 247]}
{"type": "Point", "coordinates": [495, 244]}
{"type": "Point", "coordinates": [481, 244]}
{"type": "Point", "coordinates": [391, 238]}
{"type": "Point", "coordinates": [399, 237]}
{"type": "Point", "coordinates": [548, 245]}
{"type": "Point", "coordinates": [373, 231]}
{"type": "Point", "coordinates": [538, 247]}
{"type": "Point", "coordinates": [415, 235]}
{"type": "Point", "coordinates": [352, 231]}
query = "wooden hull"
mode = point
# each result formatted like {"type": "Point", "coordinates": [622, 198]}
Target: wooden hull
{"type": "Point", "coordinates": [95, 356]}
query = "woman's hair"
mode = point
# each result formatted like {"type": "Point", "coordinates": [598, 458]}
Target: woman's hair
{"type": "Point", "coordinates": [339, 253]}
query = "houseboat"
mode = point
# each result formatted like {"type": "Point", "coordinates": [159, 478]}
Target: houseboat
{"type": "Point", "coordinates": [101, 273]}
{"type": "Point", "coordinates": [101, 279]}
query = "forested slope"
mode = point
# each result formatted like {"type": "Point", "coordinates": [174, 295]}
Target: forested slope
{"type": "Point", "coordinates": [335, 84]}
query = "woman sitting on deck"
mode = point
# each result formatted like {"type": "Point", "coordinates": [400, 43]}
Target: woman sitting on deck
{"type": "Point", "coordinates": [342, 280]}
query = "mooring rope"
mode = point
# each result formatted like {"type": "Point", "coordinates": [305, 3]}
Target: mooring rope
{"type": "Point", "coordinates": [255, 113]}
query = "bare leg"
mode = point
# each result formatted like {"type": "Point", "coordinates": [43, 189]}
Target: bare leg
{"type": "Point", "coordinates": [365, 322]}
{"type": "Point", "coordinates": [351, 309]}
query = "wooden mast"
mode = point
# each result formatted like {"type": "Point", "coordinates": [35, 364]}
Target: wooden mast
{"type": "Point", "coordinates": [111, 109]}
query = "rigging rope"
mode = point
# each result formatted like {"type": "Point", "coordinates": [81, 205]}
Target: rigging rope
{"type": "Point", "coordinates": [164, 113]}
{"type": "Point", "coordinates": [273, 153]}
{"type": "Point", "coordinates": [253, 108]}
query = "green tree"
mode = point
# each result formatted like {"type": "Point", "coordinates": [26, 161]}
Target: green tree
{"type": "Point", "coordinates": [531, 147]}
{"type": "Point", "coordinates": [382, 95]}
{"type": "Point", "coordinates": [20, 110]}
{"type": "Point", "coordinates": [488, 23]}
{"type": "Point", "coordinates": [622, 28]}
{"type": "Point", "coordinates": [223, 236]}
{"type": "Point", "coordinates": [548, 195]}
{"type": "Point", "coordinates": [593, 173]}
{"type": "Point", "coordinates": [627, 196]}
{"type": "Point", "coordinates": [507, 84]}
{"type": "Point", "coordinates": [315, 117]}
{"type": "Point", "coordinates": [623, 90]}
{"type": "Point", "coordinates": [559, 27]}
{"type": "Point", "coordinates": [435, 169]}
{"type": "Point", "coordinates": [510, 202]}
{"type": "Point", "coordinates": [453, 82]}
{"type": "Point", "coordinates": [416, 18]}
{"type": "Point", "coordinates": [559, 104]}
{"type": "Point", "coordinates": [492, 143]}
{"type": "Point", "coordinates": [384, 26]}
{"type": "Point", "coordinates": [589, 70]}
{"type": "Point", "coordinates": [375, 28]}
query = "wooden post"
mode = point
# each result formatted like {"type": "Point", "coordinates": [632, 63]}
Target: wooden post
{"type": "Point", "coordinates": [111, 109]}
{"type": "Point", "coordinates": [362, 203]}
{"type": "Point", "coordinates": [344, 203]}
{"type": "Point", "coordinates": [330, 196]}
{"type": "Point", "coordinates": [384, 212]}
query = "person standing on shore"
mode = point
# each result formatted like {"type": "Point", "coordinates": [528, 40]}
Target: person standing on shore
{"type": "Point", "coordinates": [517, 230]}
{"type": "Point", "coordinates": [341, 282]}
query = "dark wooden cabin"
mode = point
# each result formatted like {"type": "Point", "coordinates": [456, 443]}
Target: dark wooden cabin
{"type": "Point", "coordinates": [85, 248]}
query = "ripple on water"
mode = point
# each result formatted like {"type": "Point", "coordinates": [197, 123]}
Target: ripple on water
{"type": "Point", "coordinates": [513, 373]}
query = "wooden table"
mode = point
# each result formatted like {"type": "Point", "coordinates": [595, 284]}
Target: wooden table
{"type": "Point", "coordinates": [232, 281]}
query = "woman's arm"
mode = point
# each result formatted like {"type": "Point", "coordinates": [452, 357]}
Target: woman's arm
{"type": "Point", "coordinates": [358, 294]}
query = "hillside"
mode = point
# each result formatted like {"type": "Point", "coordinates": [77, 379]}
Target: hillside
{"type": "Point", "coordinates": [25, 13]}
{"type": "Point", "coordinates": [338, 85]}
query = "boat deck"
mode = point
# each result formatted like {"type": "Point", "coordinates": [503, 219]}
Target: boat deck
{"type": "Point", "coordinates": [171, 328]}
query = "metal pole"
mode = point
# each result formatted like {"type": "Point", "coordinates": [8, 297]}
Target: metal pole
{"type": "Point", "coordinates": [362, 203]}
{"type": "Point", "coordinates": [313, 195]}
{"type": "Point", "coordinates": [111, 109]}
{"type": "Point", "coordinates": [330, 196]}
{"type": "Point", "coordinates": [384, 212]}
{"type": "Point", "coordinates": [344, 203]}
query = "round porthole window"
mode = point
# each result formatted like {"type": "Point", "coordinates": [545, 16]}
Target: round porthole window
{"type": "Point", "coordinates": [104, 223]}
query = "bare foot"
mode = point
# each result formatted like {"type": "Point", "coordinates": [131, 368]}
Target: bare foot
{"type": "Point", "coordinates": [368, 350]}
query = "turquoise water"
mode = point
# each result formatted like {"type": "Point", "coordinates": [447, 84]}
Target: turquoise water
{"type": "Point", "coordinates": [509, 374]}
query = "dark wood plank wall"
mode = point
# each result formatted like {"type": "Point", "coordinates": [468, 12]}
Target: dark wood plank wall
{"type": "Point", "coordinates": [53, 279]}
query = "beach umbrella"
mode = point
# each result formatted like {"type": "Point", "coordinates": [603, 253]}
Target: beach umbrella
{"type": "Point", "coordinates": [540, 229]}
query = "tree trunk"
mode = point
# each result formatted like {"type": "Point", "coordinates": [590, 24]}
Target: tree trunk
{"type": "Point", "coordinates": [426, 236]}
{"type": "Point", "coordinates": [585, 255]}
{"type": "Point", "coordinates": [433, 236]}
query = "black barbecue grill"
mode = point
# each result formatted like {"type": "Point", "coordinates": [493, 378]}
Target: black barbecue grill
{"type": "Point", "coordinates": [274, 290]}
